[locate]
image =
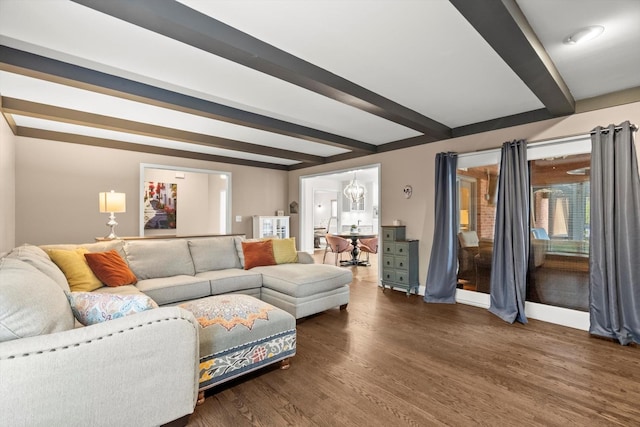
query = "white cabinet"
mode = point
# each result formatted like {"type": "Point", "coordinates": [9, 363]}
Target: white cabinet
{"type": "Point", "coordinates": [270, 226]}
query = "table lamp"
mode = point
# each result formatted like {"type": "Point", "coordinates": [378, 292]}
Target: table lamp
{"type": "Point", "coordinates": [112, 202]}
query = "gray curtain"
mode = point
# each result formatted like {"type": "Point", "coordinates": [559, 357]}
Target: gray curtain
{"type": "Point", "coordinates": [614, 258]}
{"type": "Point", "coordinates": [511, 239]}
{"type": "Point", "coordinates": [442, 275]}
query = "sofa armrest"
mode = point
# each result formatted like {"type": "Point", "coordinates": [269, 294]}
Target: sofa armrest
{"type": "Point", "coordinates": [305, 258]}
{"type": "Point", "coordinates": [137, 370]}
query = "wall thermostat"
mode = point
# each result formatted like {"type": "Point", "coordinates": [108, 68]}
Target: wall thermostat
{"type": "Point", "coordinates": [407, 190]}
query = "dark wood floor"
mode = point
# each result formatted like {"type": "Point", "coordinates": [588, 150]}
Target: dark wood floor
{"type": "Point", "coordinates": [393, 360]}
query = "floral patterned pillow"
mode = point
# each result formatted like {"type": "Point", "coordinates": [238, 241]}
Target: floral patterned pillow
{"type": "Point", "coordinates": [94, 307]}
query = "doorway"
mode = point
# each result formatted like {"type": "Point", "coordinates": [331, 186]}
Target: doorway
{"type": "Point", "coordinates": [322, 198]}
{"type": "Point", "coordinates": [325, 215]}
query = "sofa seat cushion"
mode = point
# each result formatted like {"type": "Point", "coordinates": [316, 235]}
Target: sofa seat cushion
{"type": "Point", "coordinates": [214, 253]}
{"type": "Point", "coordinates": [166, 290]}
{"type": "Point", "coordinates": [231, 280]}
{"type": "Point", "coordinates": [301, 280]}
{"type": "Point", "coordinates": [151, 259]}
{"type": "Point", "coordinates": [31, 303]}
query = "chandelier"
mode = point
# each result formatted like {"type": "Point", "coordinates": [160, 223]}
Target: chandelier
{"type": "Point", "coordinates": [355, 191]}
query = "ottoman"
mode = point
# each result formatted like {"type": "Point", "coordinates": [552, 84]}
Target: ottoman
{"type": "Point", "coordinates": [239, 334]}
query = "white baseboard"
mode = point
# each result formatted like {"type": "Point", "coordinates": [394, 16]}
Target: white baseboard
{"type": "Point", "coordinates": [477, 299]}
{"type": "Point", "coordinates": [547, 313]}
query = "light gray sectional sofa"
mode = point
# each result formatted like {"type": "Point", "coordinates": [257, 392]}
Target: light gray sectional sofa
{"type": "Point", "coordinates": [143, 366]}
{"type": "Point", "coordinates": [172, 271]}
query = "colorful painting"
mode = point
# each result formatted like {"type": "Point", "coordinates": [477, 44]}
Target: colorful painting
{"type": "Point", "coordinates": [160, 205]}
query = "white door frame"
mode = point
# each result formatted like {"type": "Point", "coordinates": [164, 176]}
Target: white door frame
{"type": "Point", "coordinates": [305, 232]}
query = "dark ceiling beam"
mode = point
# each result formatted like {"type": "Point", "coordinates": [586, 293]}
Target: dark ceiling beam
{"type": "Point", "coordinates": [66, 115]}
{"type": "Point", "coordinates": [506, 29]}
{"type": "Point", "coordinates": [140, 148]}
{"type": "Point", "coordinates": [179, 22]}
{"type": "Point", "coordinates": [329, 159]}
{"type": "Point", "coordinates": [474, 128]}
{"type": "Point", "coordinates": [503, 122]}
{"type": "Point", "coordinates": [32, 65]}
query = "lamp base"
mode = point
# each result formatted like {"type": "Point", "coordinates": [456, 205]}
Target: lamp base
{"type": "Point", "coordinates": [112, 227]}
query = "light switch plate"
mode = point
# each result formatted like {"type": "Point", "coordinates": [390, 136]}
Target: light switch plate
{"type": "Point", "coordinates": [238, 218]}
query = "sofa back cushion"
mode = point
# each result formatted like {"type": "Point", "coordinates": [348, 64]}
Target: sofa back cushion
{"type": "Point", "coordinates": [214, 253]}
{"type": "Point", "coordinates": [108, 245]}
{"type": "Point", "coordinates": [150, 259]}
{"type": "Point", "coordinates": [31, 303]}
{"type": "Point", "coordinates": [36, 257]}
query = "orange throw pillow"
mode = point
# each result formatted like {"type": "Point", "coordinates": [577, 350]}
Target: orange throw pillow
{"type": "Point", "coordinates": [257, 254]}
{"type": "Point", "coordinates": [110, 268]}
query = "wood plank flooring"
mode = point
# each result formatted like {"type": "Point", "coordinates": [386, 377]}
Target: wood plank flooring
{"type": "Point", "coordinates": [393, 360]}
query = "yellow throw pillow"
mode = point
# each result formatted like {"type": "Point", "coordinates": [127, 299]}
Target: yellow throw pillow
{"type": "Point", "coordinates": [75, 268]}
{"type": "Point", "coordinates": [284, 250]}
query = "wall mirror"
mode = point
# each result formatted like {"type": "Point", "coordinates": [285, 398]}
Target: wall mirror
{"type": "Point", "coordinates": [178, 201]}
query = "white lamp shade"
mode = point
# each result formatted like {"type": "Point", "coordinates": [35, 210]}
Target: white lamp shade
{"type": "Point", "coordinates": [112, 202]}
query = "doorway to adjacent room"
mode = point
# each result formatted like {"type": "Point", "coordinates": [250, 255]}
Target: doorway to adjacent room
{"type": "Point", "coordinates": [326, 208]}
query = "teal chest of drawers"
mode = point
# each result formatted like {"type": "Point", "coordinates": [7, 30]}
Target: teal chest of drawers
{"type": "Point", "coordinates": [399, 260]}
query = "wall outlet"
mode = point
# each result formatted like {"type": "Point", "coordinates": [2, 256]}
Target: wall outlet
{"type": "Point", "coordinates": [238, 218]}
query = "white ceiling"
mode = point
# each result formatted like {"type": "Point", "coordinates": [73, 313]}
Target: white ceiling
{"type": "Point", "coordinates": [423, 60]}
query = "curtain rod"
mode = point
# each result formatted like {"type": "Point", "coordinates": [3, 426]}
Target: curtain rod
{"type": "Point", "coordinates": [632, 127]}
{"type": "Point", "coordinates": [549, 141]}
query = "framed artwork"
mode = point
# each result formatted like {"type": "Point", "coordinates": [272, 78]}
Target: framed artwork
{"type": "Point", "coordinates": [160, 205]}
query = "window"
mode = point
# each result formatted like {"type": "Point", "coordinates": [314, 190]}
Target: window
{"type": "Point", "coordinates": [559, 266]}
{"type": "Point", "coordinates": [466, 202]}
{"type": "Point", "coordinates": [477, 187]}
{"type": "Point", "coordinates": [559, 252]}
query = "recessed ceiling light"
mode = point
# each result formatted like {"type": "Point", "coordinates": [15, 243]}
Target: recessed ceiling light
{"type": "Point", "coordinates": [584, 34]}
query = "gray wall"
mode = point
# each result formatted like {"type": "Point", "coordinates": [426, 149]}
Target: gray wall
{"type": "Point", "coordinates": [57, 186]}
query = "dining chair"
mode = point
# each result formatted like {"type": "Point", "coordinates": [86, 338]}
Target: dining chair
{"type": "Point", "coordinates": [322, 232]}
{"type": "Point", "coordinates": [368, 246]}
{"type": "Point", "coordinates": [337, 245]}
